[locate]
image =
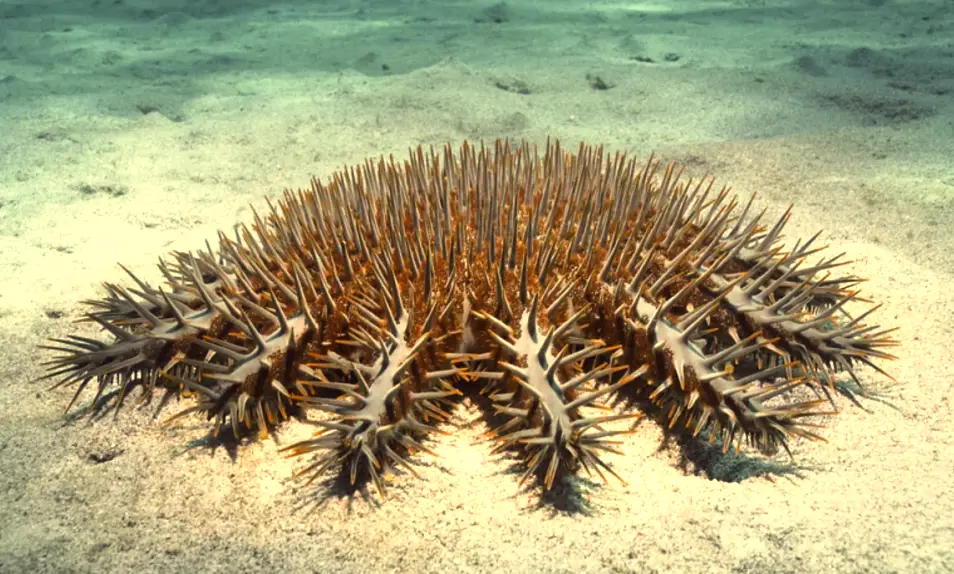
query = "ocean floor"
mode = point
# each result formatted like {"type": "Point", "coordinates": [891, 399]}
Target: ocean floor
{"type": "Point", "coordinates": [132, 128]}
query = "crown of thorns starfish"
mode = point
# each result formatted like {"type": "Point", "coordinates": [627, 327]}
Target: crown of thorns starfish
{"type": "Point", "coordinates": [543, 285]}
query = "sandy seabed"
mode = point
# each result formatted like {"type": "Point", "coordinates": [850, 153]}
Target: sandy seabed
{"type": "Point", "coordinates": [133, 128]}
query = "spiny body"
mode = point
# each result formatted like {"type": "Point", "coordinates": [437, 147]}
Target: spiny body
{"type": "Point", "coordinates": [549, 282]}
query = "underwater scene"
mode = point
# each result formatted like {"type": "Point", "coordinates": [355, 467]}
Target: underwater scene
{"type": "Point", "coordinates": [531, 286]}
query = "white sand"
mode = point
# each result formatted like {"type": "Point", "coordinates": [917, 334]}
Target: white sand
{"type": "Point", "coordinates": [130, 129]}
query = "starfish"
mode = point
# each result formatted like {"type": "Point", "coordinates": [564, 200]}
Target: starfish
{"type": "Point", "coordinates": [545, 285]}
